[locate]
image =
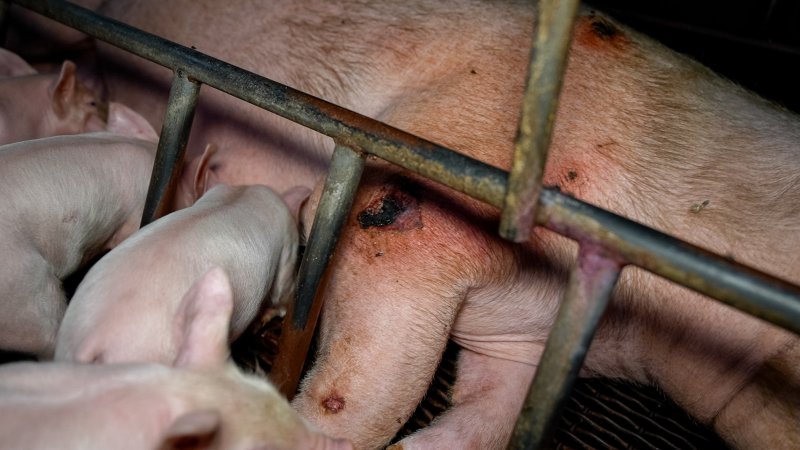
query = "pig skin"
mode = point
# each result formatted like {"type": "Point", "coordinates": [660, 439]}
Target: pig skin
{"type": "Point", "coordinates": [640, 131]}
{"type": "Point", "coordinates": [203, 402]}
{"type": "Point", "coordinates": [65, 200]}
{"type": "Point", "coordinates": [128, 307]}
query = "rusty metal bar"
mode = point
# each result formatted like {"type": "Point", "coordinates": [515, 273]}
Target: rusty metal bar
{"type": "Point", "coordinates": [742, 287]}
{"type": "Point", "coordinates": [586, 297]}
{"type": "Point", "coordinates": [171, 146]}
{"type": "Point", "coordinates": [755, 292]}
{"type": "Point", "coordinates": [334, 207]}
{"type": "Point", "coordinates": [546, 73]}
{"type": "Point", "coordinates": [460, 172]}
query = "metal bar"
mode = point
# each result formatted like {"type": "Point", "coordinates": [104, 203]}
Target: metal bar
{"type": "Point", "coordinates": [741, 286]}
{"type": "Point", "coordinates": [346, 127]}
{"type": "Point", "coordinates": [546, 74]}
{"type": "Point", "coordinates": [171, 146]}
{"type": "Point", "coordinates": [334, 207]}
{"type": "Point", "coordinates": [587, 294]}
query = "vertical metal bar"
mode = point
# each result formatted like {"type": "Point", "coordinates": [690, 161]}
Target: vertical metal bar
{"type": "Point", "coordinates": [343, 178]}
{"type": "Point", "coordinates": [171, 145]}
{"type": "Point", "coordinates": [546, 73]}
{"type": "Point", "coordinates": [585, 300]}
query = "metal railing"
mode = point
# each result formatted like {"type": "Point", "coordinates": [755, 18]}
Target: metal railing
{"type": "Point", "coordinates": [607, 241]}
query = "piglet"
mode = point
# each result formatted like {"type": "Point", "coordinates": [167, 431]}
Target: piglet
{"type": "Point", "coordinates": [129, 306]}
{"type": "Point", "coordinates": [203, 402]}
{"type": "Point", "coordinates": [64, 200]}
{"type": "Point", "coordinates": [34, 105]}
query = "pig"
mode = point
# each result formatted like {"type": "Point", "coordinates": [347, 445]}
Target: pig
{"type": "Point", "coordinates": [640, 131]}
{"type": "Point", "coordinates": [34, 105]}
{"type": "Point", "coordinates": [202, 402]}
{"type": "Point", "coordinates": [66, 199]}
{"type": "Point", "coordinates": [11, 65]}
{"type": "Point", "coordinates": [129, 308]}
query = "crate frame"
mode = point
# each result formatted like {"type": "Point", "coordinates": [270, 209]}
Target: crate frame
{"type": "Point", "coordinates": [610, 241]}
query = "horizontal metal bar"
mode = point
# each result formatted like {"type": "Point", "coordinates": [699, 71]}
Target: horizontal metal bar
{"type": "Point", "coordinates": [171, 146]}
{"type": "Point", "coordinates": [346, 127]}
{"type": "Point", "coordinates": [586, 297]}
{"type": "Point", "coordinates": [755, 292]}
{"type": "Point", "coordinates": [546, 73]}
{"type": "Point", "coordinates": [752, 291]}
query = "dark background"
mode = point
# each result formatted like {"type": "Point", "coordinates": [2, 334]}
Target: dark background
{"type": "Point", "coordinates": [754, 42]}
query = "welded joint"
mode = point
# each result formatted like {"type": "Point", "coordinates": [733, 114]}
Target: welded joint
{"type": "Point", "coordinates": [548, 62]}
{"type": "Point", "coordinates": [585, 300]}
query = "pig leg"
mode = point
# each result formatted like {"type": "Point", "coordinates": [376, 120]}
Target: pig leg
{"type": "Point", "coordinates": [33, 309]}
{"type": "Point", "coordinates": [487, 397]}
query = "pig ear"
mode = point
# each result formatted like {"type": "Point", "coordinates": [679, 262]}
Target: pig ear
{"type": "Point", "coordinates": [11, 65]}
{"type": "Point", "coordinates": [203, 321]}
{"type": "Point", "coordinates": [204, 177]}
{"type": "Point", "coordinates": [295, 198]}
{"type": "Point", "coordinates": [63, 91]}
{"type": "Point", "coordinates": [127, 122]}
{"type": "Point", "coordinates": [195, 430]}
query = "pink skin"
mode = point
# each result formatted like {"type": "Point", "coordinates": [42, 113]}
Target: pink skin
{"type": "Point", "coordinates": [128, 308]}
{"type": "Point", "coordinates": [640, 131]}
{"type": "Point", "coordinates": [39, 105]}
{"type": "Point", "coordinates": [11, 65]}
{"type": "Point", "coordinates": [65, 199]}
{"type": "Point", "coordinates": [202, 402]}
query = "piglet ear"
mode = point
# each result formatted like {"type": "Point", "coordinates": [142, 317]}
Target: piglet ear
{"type": "Point", "coordinates": [203, 321]}
{"type": "Point", "coordinates": [11, 65]}
{"type": "Point", "coordinates": [204, 177]}
{"type": "Point", "coordinates": [193, 430]}
{"type": "Point", "coordinates": [127, 122]}
{"type": "Point", "coordinates": [62, 92]}
{"type": "Point", "coordinates": [295, 198]}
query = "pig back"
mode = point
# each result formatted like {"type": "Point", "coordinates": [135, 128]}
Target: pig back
{"type": "Point", "coordinates": [247, 231]}
{"type": "Point", "coordinates": [67, 195]}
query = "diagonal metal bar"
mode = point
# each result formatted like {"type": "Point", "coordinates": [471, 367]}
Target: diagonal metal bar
{"type": "Point", "coordinates": [346, 127]}
{"type": "Point", "coordinates": [332, 212]}
{"type": "Point", "coordinates": [171, 146]}
{"type": "Point", "coordinates": [735, 284]}
{"type": "Point", "coordinates": [586, 297]}
{"type": "Point", "coordinates": [546, 73]}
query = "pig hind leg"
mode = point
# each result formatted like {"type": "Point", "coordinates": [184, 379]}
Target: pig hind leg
{"type": "Point", "coordinates": [33, 303]}
{"type": "Point", "coordinates": [487, 396]}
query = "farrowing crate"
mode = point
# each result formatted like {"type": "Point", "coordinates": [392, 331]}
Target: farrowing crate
{"type": "Point", "coordinates": [603, 236]}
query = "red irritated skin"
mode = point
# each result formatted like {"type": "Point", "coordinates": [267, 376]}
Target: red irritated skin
{"type": "Point", "coordinates": [641, 131]}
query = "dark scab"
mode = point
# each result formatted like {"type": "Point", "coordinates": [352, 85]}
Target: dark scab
{"type": "Point", "coordinates": [572, 175]}
{"type": "Point", "coordinates": [604, 29]}
{"type": "Point", "coordinates": [390, 209]}
{"type": "Point", "coordinates": [473, 72]}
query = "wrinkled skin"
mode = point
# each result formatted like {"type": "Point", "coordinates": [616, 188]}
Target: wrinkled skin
{"type": "Point", "coordinates": [65, 200]}
{"type": "Point", "coordinates": [34, 105]}
{"type": "Point", "coordinates": [129, 308]}
{"type": "Point", "coordinates": [640, 131]}
{"type": "Point", "coordinates": [203, 402]}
